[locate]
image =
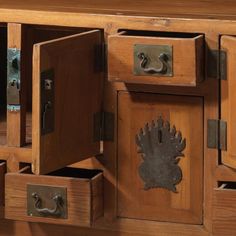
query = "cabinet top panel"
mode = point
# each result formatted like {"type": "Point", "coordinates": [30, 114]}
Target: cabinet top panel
{"type": "Point", "coordinates": [207, 9]}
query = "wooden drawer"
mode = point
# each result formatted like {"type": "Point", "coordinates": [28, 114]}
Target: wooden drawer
{"type": "Point", "coordinates": [156, 58]}
{"type": "Point", "coordinates": [68, 196]}
{"type": "Point", "coordinates": [224, 209]}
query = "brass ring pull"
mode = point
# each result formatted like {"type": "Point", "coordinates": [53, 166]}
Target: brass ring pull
{"type": "Point", "coordinates": [45, 211]}
{"type": "Point", "coordinates": [163, 58]}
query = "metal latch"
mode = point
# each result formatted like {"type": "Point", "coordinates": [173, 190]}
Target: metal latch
{"type": "Point", "coordinates": [47, 101]}
{"type": "Point", "coordinates": [217, 134]}
{"type": "Point", "coordinates": [47, 201]}
{"type": "Point", "coordinates": [13, 83]}
{"type": "Point", "coordinates": [217, 64]}
{"type": "Point", "coordinates": [104, 126]}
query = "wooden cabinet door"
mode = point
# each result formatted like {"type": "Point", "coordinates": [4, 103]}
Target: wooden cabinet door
{"type": "Point", "coordinates": [228, 100]}
{"type": "Point", "coordinates": [67, 85]}
{"type": "Point", "coordinates": [137, 201]}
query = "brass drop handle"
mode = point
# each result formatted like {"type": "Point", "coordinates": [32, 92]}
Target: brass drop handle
{"type": "Point", "coordinates": [46, 211]}
{"type": "Point", "coordinates": [163, 58]}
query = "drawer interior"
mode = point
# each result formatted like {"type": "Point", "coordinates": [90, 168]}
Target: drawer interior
{"type": "Point", "coordinates": [75, 173]}
{"type": "Point", "coordinates": [161, 34]}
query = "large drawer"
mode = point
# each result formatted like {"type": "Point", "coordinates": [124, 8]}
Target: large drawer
{"type": "Point", "coordinates": [156, 58]}
{"type": "Point", "coordinates": [68, 196]}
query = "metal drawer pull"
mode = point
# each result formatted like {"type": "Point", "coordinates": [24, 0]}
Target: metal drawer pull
{"type": "Point", "coordinates": [163, 58]}
{"type": "Point", "coordinates": [45, 211]}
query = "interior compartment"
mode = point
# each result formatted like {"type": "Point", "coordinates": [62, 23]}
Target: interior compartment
{"type": "Point", "coordinates": [158, 34]}
{"type": "Point", "coordinates": [33, 34]}
{"type": "Point", "coordinates": [75, 173]}
{"type": "Point", "coordinates": [227, 185]}
{"type": "Point", "coordinates": [3, 83]}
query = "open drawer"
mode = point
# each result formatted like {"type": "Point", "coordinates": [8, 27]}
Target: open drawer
{"type": "Point", "coordinates": [68, 196]}
{"type": "Point", "coordinates": [66, 93]}
{"type": "Point", "coordinates": [224, 208]}
{"type": "Point", "coordinates": [156, 58]}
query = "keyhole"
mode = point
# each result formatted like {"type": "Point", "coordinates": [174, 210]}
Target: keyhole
{"type": "Point", "coordinates": [159, 136]}
{"type": "Point", "coordinates": [15, 63]}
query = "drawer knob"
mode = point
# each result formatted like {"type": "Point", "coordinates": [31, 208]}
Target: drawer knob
{"type": "Point", "coordinates": [144, 61]}
{"type": "Point", "coordinates": [56, 210]}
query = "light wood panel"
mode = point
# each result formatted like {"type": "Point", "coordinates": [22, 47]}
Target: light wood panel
{"type": "Point", "coordinates": [84, 198]}
{"type": "Point", "coordinates": [77, 87]}
{"type": "Point", "coordinates": [134, 111]}
{"type": "Point", "coordinates": [187, 61]}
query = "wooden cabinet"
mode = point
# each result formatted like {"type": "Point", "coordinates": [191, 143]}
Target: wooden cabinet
{"type": "Point", "coordinates": [117, 118]}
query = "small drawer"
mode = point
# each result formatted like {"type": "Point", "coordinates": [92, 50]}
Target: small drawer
{"type": "Point", "coordinates": [224, 208]}
{"type": "Point", "coordinates": [68, 196]}
{"type": "Point", "coordinates": [156, 58]}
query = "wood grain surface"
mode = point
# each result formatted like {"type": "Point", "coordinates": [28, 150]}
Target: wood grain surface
{"type": "Point", "coordinates": [175, 8]}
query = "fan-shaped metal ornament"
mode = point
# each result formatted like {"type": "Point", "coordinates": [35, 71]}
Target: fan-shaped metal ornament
{"type": "Point", "coordinates": [161, 149]}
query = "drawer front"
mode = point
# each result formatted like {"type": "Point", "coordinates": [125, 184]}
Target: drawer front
{"type": "Point", "coordinates": [152, 184]}
{"type": "Point", "coordinates": [224, 212]}
{"type": "Point", "coordinates": [51, 199]}
{"type": "Point", "coordinates": [156, 60]}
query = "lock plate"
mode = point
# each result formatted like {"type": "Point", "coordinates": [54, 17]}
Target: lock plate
{"type": "Point", "coordinates": [13, 84]}
{"type": "Point", "coordinates": [45, 205]}
{"type": "Point", "coordinates": [148, 60]}
{"type": "Point", "coordinates": [47, 101]}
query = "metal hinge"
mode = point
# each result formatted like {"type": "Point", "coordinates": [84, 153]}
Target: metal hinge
{"type": "Point", "coordinates": [104, 126]}
{"type": "Point", "coordinates": [217, 134]}
{"type": "Point", "coordinates": [217, 64]}
{"type": "Point", "coordinates": [13, 79]}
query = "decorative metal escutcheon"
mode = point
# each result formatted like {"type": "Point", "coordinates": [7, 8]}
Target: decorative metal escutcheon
{"type": "Point", "coordinates": [161, 148]}
{"type": "Point", "coordinates": [47, 201]}
{"type": "Point", "coordinates": [154, 60]}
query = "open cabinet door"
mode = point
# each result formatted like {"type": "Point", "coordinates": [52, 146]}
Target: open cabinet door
{"type": "Point", "coordinates": [67, 91]}
{"type": "Point", "coordinates": [228, 100]}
